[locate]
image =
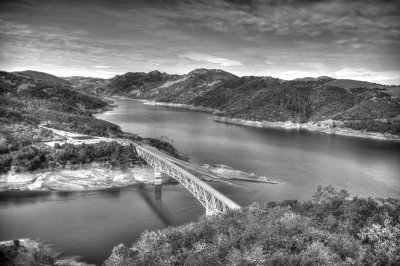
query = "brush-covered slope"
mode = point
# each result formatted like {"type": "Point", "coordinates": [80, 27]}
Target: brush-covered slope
{"type": "Point", "coordinates": [43, 76]}
{"type": "Point", "coordinates": [89, 85]}
{"type": "Point", "coordinates": [27, 100]}
{"type": "Point", "coordinates": [183, 89]}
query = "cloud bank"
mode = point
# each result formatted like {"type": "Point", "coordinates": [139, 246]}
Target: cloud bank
{"type": "Point", "coordinates": [246, 37]}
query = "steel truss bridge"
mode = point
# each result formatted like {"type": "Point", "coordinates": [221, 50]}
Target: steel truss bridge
{"type": "Point", "coordinates": [213, 201]}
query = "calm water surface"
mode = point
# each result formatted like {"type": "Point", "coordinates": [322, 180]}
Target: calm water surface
{"type": "Point", "coordinates": [91, 223]}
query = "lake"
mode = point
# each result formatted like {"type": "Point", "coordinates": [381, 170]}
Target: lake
{"type": "Point", "coordinates": [89, 224]}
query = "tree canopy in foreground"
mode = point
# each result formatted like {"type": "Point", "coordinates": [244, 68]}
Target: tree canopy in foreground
{"type": "Point", "coordinates": [331, 229]}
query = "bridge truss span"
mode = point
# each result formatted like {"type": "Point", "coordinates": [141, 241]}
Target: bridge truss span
{"type": "Point", "coordinates": [213, 201]}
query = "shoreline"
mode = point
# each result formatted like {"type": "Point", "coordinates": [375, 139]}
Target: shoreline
{"type": "Point", "coordinates": [25, 251]}
{"type": "Point", "coordinates": [77, 178]}
{"type": "Point", "coordinates": [109, 107]}
{"type": "Point", "coordinates": [178, 105]}
{"type": "Point", "coordinates": [324, 127]}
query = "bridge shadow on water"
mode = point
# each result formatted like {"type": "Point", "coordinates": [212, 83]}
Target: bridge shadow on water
{"type": "Point", "coordinates": [154, 200]}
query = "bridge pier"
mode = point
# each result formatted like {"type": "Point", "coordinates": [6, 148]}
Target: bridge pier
{"type": "Point", "coordinates": [157, 191]}
{"type": "Point", "coordinates": [157, 178]}
{"type": "Point", "coordinates": [157, 185]}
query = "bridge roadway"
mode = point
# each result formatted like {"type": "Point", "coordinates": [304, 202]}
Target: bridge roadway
{"type": "Point", "coordinates": [213, 201]}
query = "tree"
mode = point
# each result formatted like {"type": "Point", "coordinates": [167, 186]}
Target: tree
{"type": "Point", "coordinates": [329, 194]}
{"type": "Point", "coordinates": [384, 241]}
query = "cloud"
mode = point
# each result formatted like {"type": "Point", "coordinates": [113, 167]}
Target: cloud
{"type": "Point", "coordinates": [293, 74]}
{"type": "Point", "coordinates": [101, 66]}
{"type": "Point", "coordinates": [385, 77]}
{"type": "Point", "coordinates": [391, 77]}
{"type": "Point", "coordinates": [291, 38]}
{"type": "Point", "coordinates": [108, 73]}
{"type": "Point", "coordinates": [319, 21]}
{"type": "Point", "coordinates": [198, 57]}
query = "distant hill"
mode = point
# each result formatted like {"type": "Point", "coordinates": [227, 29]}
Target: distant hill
{"type": "Point", "coordinates": [43, 76]}
{"type": "Point", "coordinates": [350, 83]}
{"type": "Point", "coordinates": [27, 100]}
{"type": "Point", "coordinates": [314, 79]}
{"type": "Point", "coordinates": [90, 85]}
{"type": "Point", "coordinates": [355, 104]}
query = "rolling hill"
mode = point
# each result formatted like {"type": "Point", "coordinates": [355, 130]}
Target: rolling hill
{"type": "Point", "coordinates": [26, 100]}
{"type": "Point", "coordinates": [42, 76]}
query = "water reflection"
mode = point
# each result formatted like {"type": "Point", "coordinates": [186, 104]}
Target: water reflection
{"type": "Point", "coordinates": [23, 197]}
{"type": "Point", "coordinates": [154, 201]}
{"type": "Point", "coordinates": [33, 197]}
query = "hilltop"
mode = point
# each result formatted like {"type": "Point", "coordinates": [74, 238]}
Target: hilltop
{"type": "Point", "coordinates": [42, 76]}
{"type": "Point", "coordinates": [350, 104]}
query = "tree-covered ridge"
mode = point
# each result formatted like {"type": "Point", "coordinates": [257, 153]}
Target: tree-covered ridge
{"type": "Point", "coordinates": [27, 100]}
{"type": "Point", "coordinates": [329, 230]}
{"type": "Point", "coordinates": [358, 104]}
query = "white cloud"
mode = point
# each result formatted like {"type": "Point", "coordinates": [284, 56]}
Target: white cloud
{"type": "Point", "coordinates": [288, 75]}
{"type": "Point", "coordinates": [211, 59]}
{"type": "Point", "coordinates": [101, 66]}
{"type": "Point", "coordinates": [107, 74]}
{"type": "Point", "coordinates": [385, 77]}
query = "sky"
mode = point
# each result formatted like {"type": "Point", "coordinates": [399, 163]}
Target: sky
{"type": "Point", "coordinates": [288, 39]}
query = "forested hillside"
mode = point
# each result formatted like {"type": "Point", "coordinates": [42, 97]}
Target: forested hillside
{"type": "Point", "coordinates": [329, 230]}
{"type": "Point", "coordinates": [26, 102]}
{"type": "Point", "coordinates": [355, 104]}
